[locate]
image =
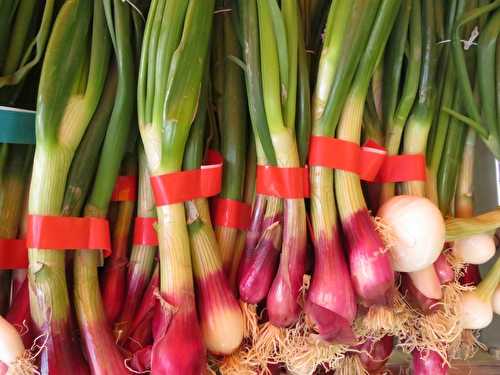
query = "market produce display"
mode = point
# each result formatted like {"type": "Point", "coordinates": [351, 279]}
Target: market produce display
{"type": "Point", "coordinates": [245, 186]}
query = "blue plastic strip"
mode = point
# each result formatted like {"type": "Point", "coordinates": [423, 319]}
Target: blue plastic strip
{"type": "Point", "coordinates": [17, 126]}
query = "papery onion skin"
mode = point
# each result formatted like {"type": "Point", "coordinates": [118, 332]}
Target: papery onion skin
{"type": "Point", "coordinates": [19, 314]}
{"type": "Point", "coordinates": [331, 303]}
{"type": "Point", "coordinates": [476, 313]}
{"type": "Point", "coordinates": [375, 354]}
{"type": "Point", "coordinates": [369, 261]}
{"type": "Point", "coordinates": [178, 344]}
{"type": "Point", "coordinates": [220, 315]}
{"type": "Point", "coordinates": [444, 270]}
{"type": "Point", "coordinates": [258, 271]}
{"type": "Point", "coordinates": [415, 298]}
{"type": "Point", "coordinates": [476, 249]}
{"type": "Point", "coordinates": [417, 231]}
{"type": "Point", "coordinates": [470, 275]}
{"type": "Point", "coordinates": [428, 363]}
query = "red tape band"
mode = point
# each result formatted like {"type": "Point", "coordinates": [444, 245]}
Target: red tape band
{"type": "Point", "coordinates": [370, 161]}
{"type": "Point", "coordinates": [66, 232]}
{"type": "Point", "coordinates": [347, 156]}
{"type": "Point", "coordinates": [125, 189]}
{"type": "Point", "coordinates": [231, 213]}
{"type": "Point", "coordinates": [183, 186]}
{"type": "Point", "coordinates": [398, 168]}
{"type": "Point", "coordinates": [13, 254]}
{"type": "Point", "coordinates": [286, 183]}
{"type": "Point", "coordinates": [144, 231]}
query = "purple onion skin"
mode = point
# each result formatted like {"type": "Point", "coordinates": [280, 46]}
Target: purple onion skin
{"type": "Point", "coordinates": [331, 303]}
{"type": "Point", "coordinates": [371, 270]}
{"type": "Point", "coordinates": [178, 346]}
{"type": "Point", "coordinates": [428, 363]}
{"type": "Point", "coordinates": [213, 292]}
{"type": "Point", "coordinates": [141, 359]}
{"type": "Point", "coordinates": [443, 270]}
{"type": "Point", "coordinates": [253, 234]}
{"type": "Point", "coordinates": [375, 354]}
{"type": "Point", "coordinates": [258, 270]}
{"type": "Point", "coordinates": [19, 314]}
{"type": "Point", "coordinates": [415, 298]}
{"type": "Point", "coordinates": [283, 298]}
{"type": "Point", "coordinates": [471, 275]}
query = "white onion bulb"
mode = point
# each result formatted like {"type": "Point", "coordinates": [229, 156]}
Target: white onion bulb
{"type": "Point", "coordinates": [417, 231]}
{"type": "Point", "coordinates": [476, 249]}
{"type": "Point", "coordinates": [11, 344]}
{"type": "Point", "coordinates": [476, 313]}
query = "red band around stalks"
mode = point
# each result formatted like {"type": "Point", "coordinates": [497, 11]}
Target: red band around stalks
{"type": "Point", "coordinates": [145, 232]}
{"type": "Point", "coordinates": [286, 183]}
{"type": "Point", "coordinates": [231, 213]}
{"type": "Point", "coordinates": [125, 189]}
{"type": "Point", "coordinates": [370, 161]}
{"type": "Point", "coordinates": [183, 186]}
{"type": "Point", "coordinates": [13, 254]}
{"type": "Point", "coordinates": [66, 232]}
{"type": "Point", "coordinates": [399, 168]}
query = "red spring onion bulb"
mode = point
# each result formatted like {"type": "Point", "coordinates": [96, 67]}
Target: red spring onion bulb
{"type": "Point", "coordinates": [477, 313]}
{"type": "Point", "coordinates": [11, 344]}
{"type": "Point", "coordinates": [496, 300]}
{"type": "Point", "coordinates": [417, 231]}
{"type": "Point", "coordinates": [476, 249]}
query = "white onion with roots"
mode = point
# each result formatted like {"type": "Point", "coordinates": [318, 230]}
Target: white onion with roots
{"type": "Point", "coordinates": [416, 231]}
{"type": "Point", "coordinates": [476, 312]}
{"type": "Point", "coordinates": [12, 351]}
{"type": "Point", "coordinates": [476, 249]}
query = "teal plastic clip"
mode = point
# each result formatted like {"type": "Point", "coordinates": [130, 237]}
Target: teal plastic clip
{"type": "Point", "coordinates": [17, 126]}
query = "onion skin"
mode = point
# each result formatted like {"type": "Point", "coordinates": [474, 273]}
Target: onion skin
{"type": "Point", "coordinates": [258, 270]}
{"type": "Point", "coordinates": [178, 344]}
{"type": "Point", "coordinates": [476, 249]}
{"type": "Point", "coordinates": [282, 300]}
{"type": "Point", "coordinates": [471, 275]}
{"type": "Point", "coordinates": [19, 314]}
{"type": "Point", "coordinates": [375, 354]}
{"type": "Point", "coordinates": [371, 270]}
{"type": "Point", "coordinates": [331, 303]}
{"type": "Point", "coordinates": [415, 245]}
{"type": "Point", "coordinates": [220, 315]}
{"type": "Point", "coordinates": [444, 270]}
{"type": "Point", "coordinates": [141, 359]}
{"type": "Point", "coordinates": [415, 298]}
{"type": "Point", "coordinates": [428, 363]}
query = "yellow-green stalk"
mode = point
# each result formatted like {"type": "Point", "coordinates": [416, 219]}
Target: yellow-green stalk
{"type": "Point", "coordinates": [142, 257]}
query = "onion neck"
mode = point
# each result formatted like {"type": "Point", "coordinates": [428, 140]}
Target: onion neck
{"type": "Point", "coordinates": [488, 285]}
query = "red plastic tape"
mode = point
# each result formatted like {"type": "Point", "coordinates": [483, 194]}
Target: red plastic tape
{"type": "Point", "coordinates": [144, 231]}
{"type": "Point", "coordinates": [66, 232]}
{"type": "Point", "coordinates": [286, 183]}
{"type": "Point", "coordinates": [400, 168]}
{"type": "Point", "coordinates": [231, 213]}
{"type": "Point", "coordinates": [348, 156]}
{"type": "Point", "coordinates": [183, 186]}
{"type": "Point", "coordinates": [370, 161]}
{"type": "Point", "coordinates": [125, 189]}
{"type": "Point", "coordinates": [13, 254]}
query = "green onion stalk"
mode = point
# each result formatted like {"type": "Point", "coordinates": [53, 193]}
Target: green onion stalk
{"type": "Point", "coordinates": [71, 84]}
{"type": "Point", "coordinates": [173, 62]}
{"type": "Point", "coordinates": [113, 282]}
{"type": "Point", "coordinates": [232, 128]}
{"type": "Point", "coordinates": [279, 35]}
{"type": "Point", "coordinates": [142, 257]}
{"type": "Point", "coordinates": [330, 304]}
{"type": "Point", "coordinates": [485, 119]}
{"type": "Point", "coordinates": [397, 102]}
{"type": "Point", "coordinates": [220, 316]}
{"type": "Point", "coordinates": [248, 198]}
{"type": "Point", "coordinates": [101, 351]}
{"type": "Point", "coordinates": [263, 239]}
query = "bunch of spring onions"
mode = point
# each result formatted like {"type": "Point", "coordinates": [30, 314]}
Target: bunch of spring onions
{"type": "Point", "coordinates": [335, 279]}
